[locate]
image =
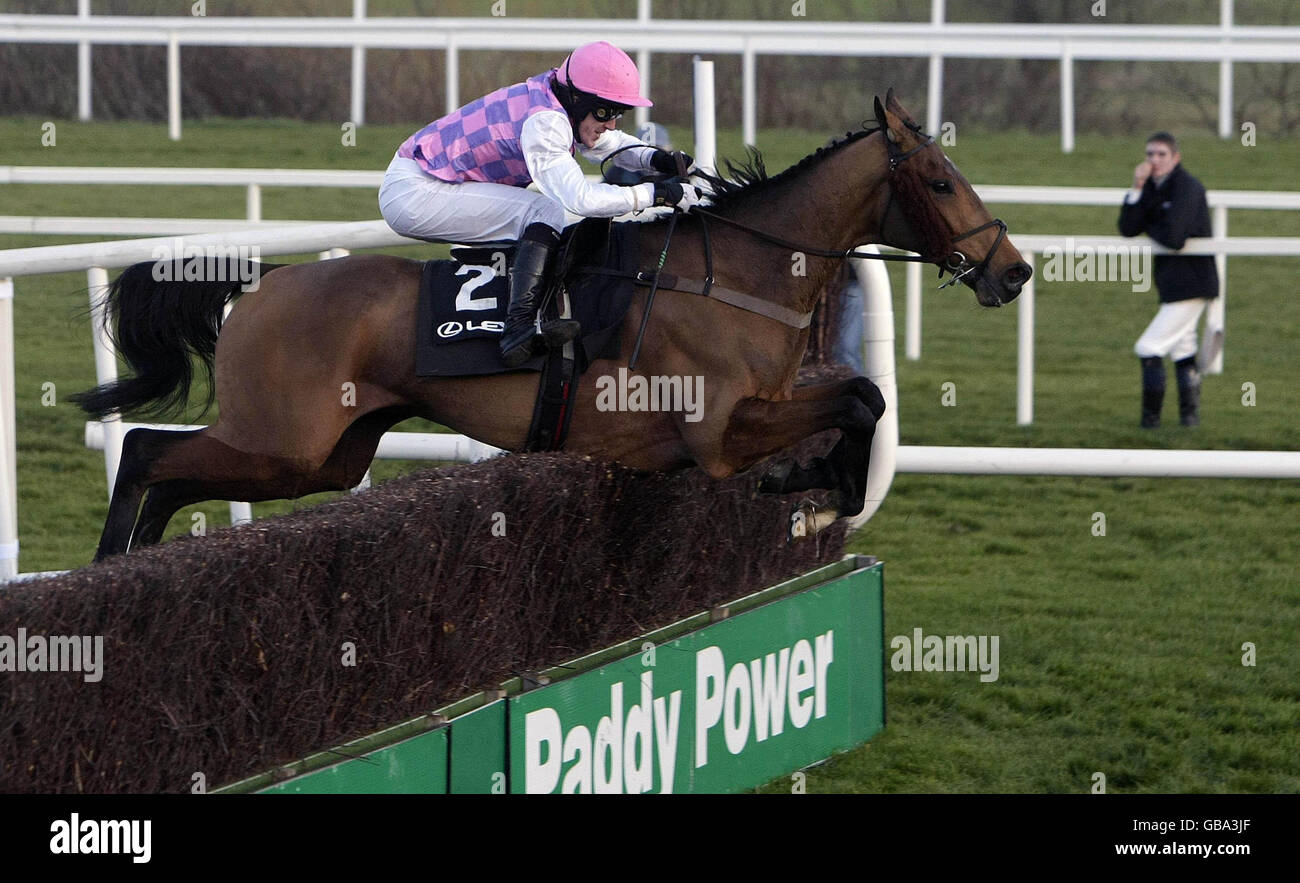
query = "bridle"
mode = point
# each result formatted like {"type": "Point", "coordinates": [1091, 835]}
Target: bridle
{"type": "Point", "coordinates": [955, 263]}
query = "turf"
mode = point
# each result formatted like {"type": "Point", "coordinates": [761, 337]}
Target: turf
{"type": "Point", "coordinates": [1120, 654]}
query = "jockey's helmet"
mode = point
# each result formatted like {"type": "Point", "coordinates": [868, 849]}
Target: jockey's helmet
{"type": "Point", "coordinates": [600, 79]}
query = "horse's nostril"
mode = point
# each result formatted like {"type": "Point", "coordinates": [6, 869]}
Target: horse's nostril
{"type": "Point", "coordinates": [1018, 274]}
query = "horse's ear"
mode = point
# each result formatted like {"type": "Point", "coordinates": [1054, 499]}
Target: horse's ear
{"type": "Point", "coordinates": [894, 107]}
{"type": "Point", "coordinates": [880, 114]}
{"type": "Point", "coordinates": [882, 117]}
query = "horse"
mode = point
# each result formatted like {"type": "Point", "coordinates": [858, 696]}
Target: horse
{"type": "Point", "coordinates": [282, 356]}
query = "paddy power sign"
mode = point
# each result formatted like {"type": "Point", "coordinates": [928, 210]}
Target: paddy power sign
{"type": "Point", "coordinates": [793, 675]}
{"type": "Point", "coordinates": [726, 708]}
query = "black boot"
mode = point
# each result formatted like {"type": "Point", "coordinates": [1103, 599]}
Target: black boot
{"type": "Point", "coordinates": [1189, 391]}
{"type": "Point", "coordinates": [527, 283]}
{"type": "Point", "coordinates": [1153, 391]}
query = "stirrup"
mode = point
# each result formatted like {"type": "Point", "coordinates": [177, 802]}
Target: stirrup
{"type": "Point", "coordinates": [558, 332]}
{"type": "Point", "coordinates": [517, 354]}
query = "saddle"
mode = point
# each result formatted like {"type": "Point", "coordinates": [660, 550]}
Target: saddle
{"type": "Point", "coordinates": [462, 309]}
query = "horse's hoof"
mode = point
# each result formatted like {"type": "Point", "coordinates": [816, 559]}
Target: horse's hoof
{"type": "Point", "coordinates": [808, 521]}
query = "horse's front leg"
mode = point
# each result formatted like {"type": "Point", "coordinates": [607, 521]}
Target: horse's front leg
{"type": "Point", "coordinates": [758, 428]}
{"type": "Point", "coordinates": [846, 467]}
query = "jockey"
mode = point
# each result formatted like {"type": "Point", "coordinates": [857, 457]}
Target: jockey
{"type": "Point", "coordinates": [462, 178]}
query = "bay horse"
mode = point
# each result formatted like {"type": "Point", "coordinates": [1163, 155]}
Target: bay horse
{"type": "Point", "coordinates": [282, 357]}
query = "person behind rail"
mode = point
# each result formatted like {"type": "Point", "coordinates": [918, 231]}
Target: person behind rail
{"type": "Point", "coordinates": [462, 178]}
{"type": "Point", "coordinates": [1169, 205]}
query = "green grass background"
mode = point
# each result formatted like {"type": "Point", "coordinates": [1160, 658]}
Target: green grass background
{"type": "Point", "coordinates": [1119, 654]}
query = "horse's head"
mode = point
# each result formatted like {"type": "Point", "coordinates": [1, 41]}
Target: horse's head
{"type": "Point", "coordinates": [933, 211]}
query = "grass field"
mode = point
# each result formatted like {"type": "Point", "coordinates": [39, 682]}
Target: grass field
{"type": "Point", "coordinates": [1120, 654]}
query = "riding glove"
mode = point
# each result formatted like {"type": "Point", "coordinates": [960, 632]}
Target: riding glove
{"type": "Point", "coordinates": [664, 161]}
{"type": "Point", "coordinates": [674, 193]}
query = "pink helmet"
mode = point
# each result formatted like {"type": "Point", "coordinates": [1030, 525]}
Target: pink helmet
{"type": "Point", "coordinates": [604, 70]}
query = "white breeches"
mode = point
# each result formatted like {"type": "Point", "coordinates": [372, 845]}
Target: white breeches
{"type": "Point", "coordinates": [1172, 332]}
{"type": "Point", "coordinates": [416, 204]}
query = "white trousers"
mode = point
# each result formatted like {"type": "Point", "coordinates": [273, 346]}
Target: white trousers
{"type": "Point", "coordinates": [416, 204]}
{"type": "Point", "coordinates": [1172, 332]}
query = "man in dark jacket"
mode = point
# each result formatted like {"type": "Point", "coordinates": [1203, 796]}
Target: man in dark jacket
{"type": "Point", "coordinates": [1168, 204]}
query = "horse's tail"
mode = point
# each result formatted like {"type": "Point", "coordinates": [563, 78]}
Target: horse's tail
{"type": "Point", "coordinates": [156, 319]}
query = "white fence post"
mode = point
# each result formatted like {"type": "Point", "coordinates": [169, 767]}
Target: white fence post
{"type": "Point", "coordinates": [642, 115]}
{"type": "Point", "coordinates": [83, 66]}
{"type": "Point", "coordinates": [1025, 350]}
{"type": "Point", "coordinates": [253, 202]}
{"type": "Point", "coordinates": [8, 444]}
{"type": "Point", "coordinates": [913, 329]}
{"type": "Point", "coordinates": [173, 87]}
{"type": "Point", "coordinates": [879, 366]}
{"type": "Point", "coordinates": [934, 95]}
{"type": "Point", "coordinates": [643, 62]}
{"type": "Point", "coordinates": [1067, 98]}
{"type": "Point", "coordinates": [1213, 337]}
{"type": "Point", "coordinates": [105, 370]}
{"type": "Point", "coordinates": [359, 69]}
{"type": "Point", "coordinates": [453, 75]}
{"type": "Point", "coordinates": [934, 85]}
{"type": "Point", "coordinates": [1225, 74]}
{"type": "Point", "coordinates": [706, 145]}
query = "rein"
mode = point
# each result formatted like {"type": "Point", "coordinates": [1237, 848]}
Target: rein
{"type": "Point", "coordinates": [818, 252]}
{"type": "Point", "coordinates": [956, 263]}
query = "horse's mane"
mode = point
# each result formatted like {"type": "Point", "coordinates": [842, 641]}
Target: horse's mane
{"type": "Point", "coordinates": [749, 177]}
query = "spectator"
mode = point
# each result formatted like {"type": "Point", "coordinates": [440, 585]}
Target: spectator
{"type": "Point", "coordinates": [847, 349]}
{"type": "Point", "coordinates": [1168, 204]}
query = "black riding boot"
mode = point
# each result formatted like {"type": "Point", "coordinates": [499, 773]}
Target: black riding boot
{"type": "Point", "coordinates": [527, 282]}
{"type": "Point", "coordinates": [1153, 391]}
{"type": "Point", "coordinates": [1189, 391]}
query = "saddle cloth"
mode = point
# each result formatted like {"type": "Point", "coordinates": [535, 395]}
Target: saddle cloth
{"type": "Point", "coordinates": [462, 302]}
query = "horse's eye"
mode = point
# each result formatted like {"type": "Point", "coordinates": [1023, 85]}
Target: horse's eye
{"type": "Point", "coordinates": [941, 186]}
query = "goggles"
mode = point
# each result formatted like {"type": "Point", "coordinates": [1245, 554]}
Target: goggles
{"type": "Point", "coordinates": [606, 112]}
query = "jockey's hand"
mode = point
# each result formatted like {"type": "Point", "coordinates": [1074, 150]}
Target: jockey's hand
{"type": "Point", "coordinates": [676, 194]}
{"type": "Point", "coordinates": [666, 162]}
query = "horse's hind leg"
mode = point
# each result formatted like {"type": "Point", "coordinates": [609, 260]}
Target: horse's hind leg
{"type": "Point", "coordinates": [171, 469]}
{"type": "Point", "coordinates": [211, 473]}
{"type": "Point", "coordinates": [161, 503]}
{"type": "Point", "coordinates": [141, 449]}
